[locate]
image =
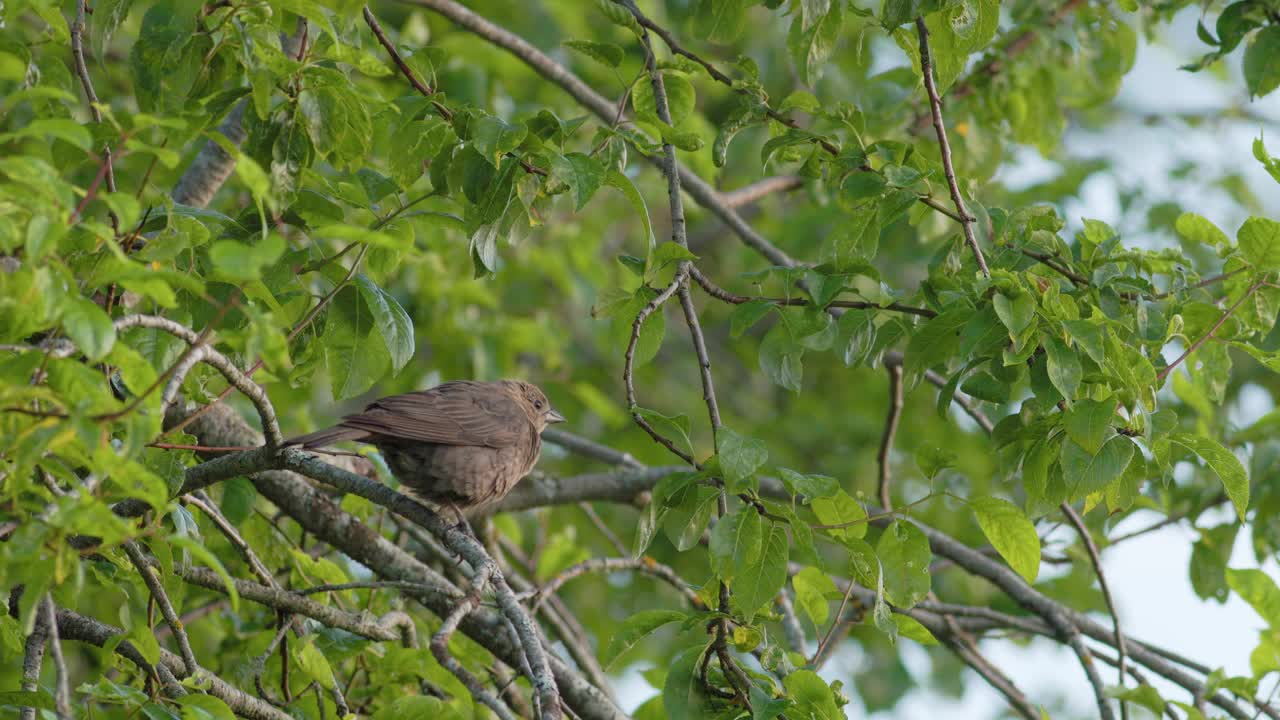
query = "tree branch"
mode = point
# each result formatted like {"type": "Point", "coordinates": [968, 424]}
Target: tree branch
{"type": "Point", "coordinates": [890, 429]}
{"type": "Point", "coordinates": [161, 598]}
{"type": "Point", "coordinates": [1096, 559]}
{"type": "Point", "coordinates": [720, 293]}
{"type": "Point", "coordinates": [944, 147]}
{"type": "Point", "coordinates": [74, 626]}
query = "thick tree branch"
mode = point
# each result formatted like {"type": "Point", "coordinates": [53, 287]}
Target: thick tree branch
{"type": "Point", "coordinates": [73, 626]}
{"type": "Point", "coordinates": [33, 659]}
{"type": "Point", "coordinates": [456, 540]}
{"type": "Point", "coordinates": [322, 518]}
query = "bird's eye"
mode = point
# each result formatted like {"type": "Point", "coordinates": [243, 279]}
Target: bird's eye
{"type": "Point", "coordinates": [537, 404]}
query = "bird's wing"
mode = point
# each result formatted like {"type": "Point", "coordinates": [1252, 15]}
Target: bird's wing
{"type": "Point", "coordinates": [455, 413]}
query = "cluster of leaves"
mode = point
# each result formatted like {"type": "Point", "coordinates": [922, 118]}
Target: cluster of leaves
{"type": "Point", "coordinates": [369, 240]}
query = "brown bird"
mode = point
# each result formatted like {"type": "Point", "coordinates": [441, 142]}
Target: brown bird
{"type": "Point", "coordinates": [461, 444]}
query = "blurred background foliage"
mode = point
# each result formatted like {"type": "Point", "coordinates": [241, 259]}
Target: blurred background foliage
{"type": "Point", "coordinates": [341, 142]}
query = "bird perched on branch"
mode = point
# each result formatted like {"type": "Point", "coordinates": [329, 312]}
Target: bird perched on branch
{"type": "Point", "coordinates": [460, 444]}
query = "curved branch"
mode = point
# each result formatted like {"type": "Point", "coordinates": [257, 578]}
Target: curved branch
{"type": "Point", "coordinates": [74, 626]}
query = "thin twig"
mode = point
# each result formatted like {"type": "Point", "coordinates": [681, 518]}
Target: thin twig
{"type": "Point", "coordinates": [424, 89]}
{"type": "Point", "coordinates": [720, 293]}
{"type": "Point", "coordinates": [944, 147]}
{"type": "Point", "coordinates": [82, 71]}
{"type": "Point", "coordinates": [161, 598]}
{"type": "Point", "coordinates": [440, 645]}
{"type": "Point", "coordinates": [733, 673]}
{"type": "Point", "coordinates": [824, 645]}
{"type": "Point", "coordinates": [62, 693]}
{"type": "Point", "coordinates": [297, 329]}
{"type": "Point", "coordinates": [628, 365]}
{"type": "Point", "coordinates": [1160, 376]}
{"type": "Point", "coordinates": [205, 504]}
{"type": "Point", "coordinates": [602, 527]}
{"type": "Point", "coordinates": [1096, 559]}
{"type": "Point", "coordinates": [644, 565]}
{"type": "Point", "coordinates": [760, 189]}
{"type": "Point", "coordinates": [792, 630]}
{"type": "Point", "coordinates": [890, 429]}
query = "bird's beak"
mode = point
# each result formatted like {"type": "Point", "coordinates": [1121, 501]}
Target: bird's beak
{"type": "Point", "coordinates": [554, 417]}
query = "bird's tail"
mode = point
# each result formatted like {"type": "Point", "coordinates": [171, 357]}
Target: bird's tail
{"type": "Point", "coordinates": [328, 436]}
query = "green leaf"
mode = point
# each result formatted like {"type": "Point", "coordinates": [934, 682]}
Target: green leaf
{"type": "Point", "coordinates": [679, 91]}
{"type": "Point", "coordinates": [632, 263]}
{"type": "Point", "coordinates": [1259, 590]}
{"type": "Point", "coordinates": [1010, 533]}
{"type": "Point", "coordinates": [674, 426]}
{"type": "Point", "coordinates": [909, 627]}
{"type": "Point", "coordinates": [652, 330]}
{"type": "Point", "coordinates": [1262, 62]}
{"type": "Point", "coordinates": [935, 341]}
{"type": "Point", "coordinates": [207, 706]}
{"type": "Point", "coordinates": [88, 326]}
{"type": "Point", "coordinates": [636, 628]}
{"type": "Point", "coordinates": [683, 696]}
{"type": "Point", "coordinates": [1064, 368]}
{"type": "Point", "coordinates": [1016, 313]}
{"type": "Point", "coordinates": [736, 542]}
{"type": "Point", "coordinates": [241, 262]}
{"type": "Point", "coordinates": [494, 137]}
{"type": "Point", "coordinates": [1260, 238]}
{"type": "Point", "coordinates": [40, 699]}
{"type": "Point", "coordinates": [814, 590]}
{"type": "Point", "coordinates": [812, 40]}
{"type": "Point", "coordinates": [1090, 337]}
{"type": "Point", "coordinates": [746, 315]}
{"type": "Point", "coordinates": [667, 253]}
{"type": "Point", "coordinates": [1199, 229]}
{"type": "Point", "coordinates": [623, 183]}
{"type": "Point", "coordinates": [1087, 472]}
{"type": "Point", "coordinates": [740, 457]}
{"type": "Point", "coordinates": [354, 349]}
{"type": "Point", "coordinates": [606, 54]}
{"type": "Point", "coordinates": [810, 486]}
{"type": "Point", "coordinates": [764, 706]}
{"type": "Point", "coordinates": [582, 173]}
{"type": "Point", "coordinates": [760, 578]}
{"type": "Point", "coordinates": [685, 523]}
{"type": "Point", "coordinates": [812, 696]}
{"type": "Point", "coordinates": [390, 321]}
{"type": "Point", "coordinates": [932, 459]}
{"type": "Point", "coordinates": [781, 357]}
{"type": "Point", "coordinates": [841, 509]}
{"type": "Point", "coordinates": [905, 556]}
{"type": "Point", "coordinates": [721, 21]}
{"type": "Point", "coordinates": [1223, 463]}
{"type": "Point", "coordinates": [316, 665]}
{"type": "Point", "coordinates": [1088, 423]}
{"type": "Point", "coordinates": [1143, 695]}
